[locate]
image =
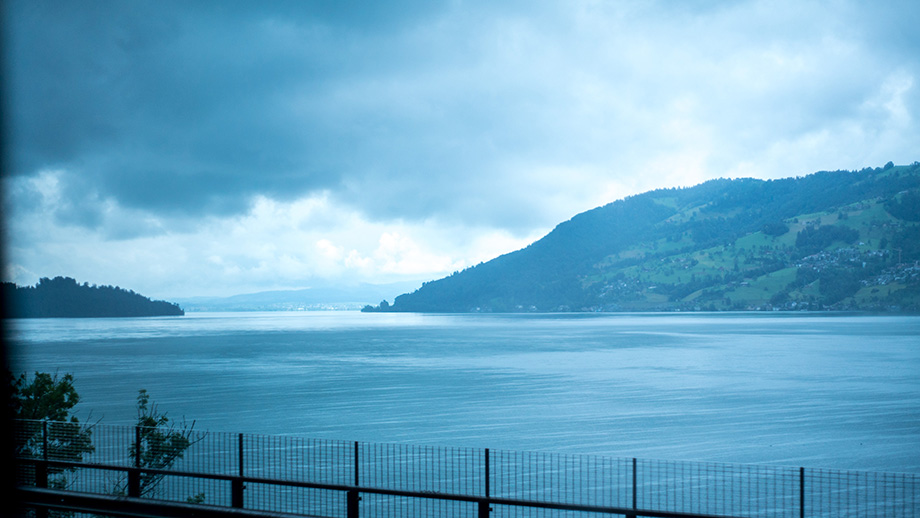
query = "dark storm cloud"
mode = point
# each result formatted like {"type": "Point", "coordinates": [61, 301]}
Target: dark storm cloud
{"type": "Point", "coordinates": [191, 109]}
{"type": "Point", "coordinates": [415, 109]}
{"type": "Point", "coordinates": [188, 108]}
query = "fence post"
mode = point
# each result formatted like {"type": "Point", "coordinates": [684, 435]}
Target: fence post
{"type": "Point", "coordinates": [352, 504]}
{"type": "Point", "coordinates": [134, 475]}
{"type": "Point", "coordinates": [485, 505]}
{"type": "Point", "coordinates": [353, 498]}
{"type": "Point", "coordinates": [41, 468]}
{"type": "Point", "coordinates": [236, 485]}
{"type": "Point", "coordinates": [801, 492]}
{"type": "Point", "coordinates": [357, 472]}
{"type": "Point", "coordinates": [634, 489]}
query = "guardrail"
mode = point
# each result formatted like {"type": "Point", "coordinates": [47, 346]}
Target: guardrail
{"type": "Point", "coordinates": [238, 474]}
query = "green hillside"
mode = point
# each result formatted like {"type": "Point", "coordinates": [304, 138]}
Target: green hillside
{"type": "Point", "coordinates": [840, 240]}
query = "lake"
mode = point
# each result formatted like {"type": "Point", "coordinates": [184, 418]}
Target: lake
{"type": "Point", "coordinates": [817, 390]}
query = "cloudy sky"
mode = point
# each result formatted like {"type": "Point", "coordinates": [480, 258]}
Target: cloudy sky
{"type": "Point", "coordinates": [215, 148]}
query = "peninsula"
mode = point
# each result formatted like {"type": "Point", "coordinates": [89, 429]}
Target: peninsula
{"type": "Point", "coordinates": [64, 297]}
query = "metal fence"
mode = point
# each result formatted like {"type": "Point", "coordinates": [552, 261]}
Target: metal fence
{"type": "Point", "coordinates": [342, 479]}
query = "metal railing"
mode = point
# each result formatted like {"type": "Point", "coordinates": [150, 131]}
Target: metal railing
{"type": "Point", "coordinates": [270, 475]}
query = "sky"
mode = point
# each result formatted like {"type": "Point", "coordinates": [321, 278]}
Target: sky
{"type": "Point", "coordinates": [214, 148]}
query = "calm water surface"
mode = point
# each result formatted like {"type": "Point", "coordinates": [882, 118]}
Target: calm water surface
{"type": "Point", "coordinates": [813, 390]}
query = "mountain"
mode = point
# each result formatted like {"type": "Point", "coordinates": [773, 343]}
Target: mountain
{"type": "Point", "coordinates": [64, 297]}
{"type": "Point", "coordinates": [337, 297]}
{"type": "Point", "coordinates": [831, 240]}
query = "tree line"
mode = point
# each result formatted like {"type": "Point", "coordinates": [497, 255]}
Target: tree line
{"type": "Point", "coordinates": [65, 297]}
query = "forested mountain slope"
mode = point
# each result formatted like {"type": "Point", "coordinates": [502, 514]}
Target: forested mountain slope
{"type": "Point", "coordinates": [829, 240]}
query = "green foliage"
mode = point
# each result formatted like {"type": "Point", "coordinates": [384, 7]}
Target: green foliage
{"type": "Point", "coordinates": [45, 397]}
{"type": "Point", "coordinates": [837, 284]}
{"type": "Point", "coordinates": [814, 239]}
{"type": "Point", "coordinates": [161, 444]}
{"type": "Point", "coordinates": [383, 306]}
{"type": "Point", "coordinates": [64, 297]}
{"type": "Point", "coordinates": [51, 430]}
{"type": "Point", "coordinates": [906, 244]}
{"type": "Point", "coordinates": [48, 430]}
{"type": "Point", "coordinates": [196, 499]}
{"type": "Point", "coordinates": [774, 228]}
{"type": "Point", "coordinates": [779, 298]}
{"type": "Point", "coordinates": [906, 206]}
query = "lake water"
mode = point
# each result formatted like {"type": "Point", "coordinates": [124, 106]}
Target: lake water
{"type": "Point", "coordinates": [812, 390]}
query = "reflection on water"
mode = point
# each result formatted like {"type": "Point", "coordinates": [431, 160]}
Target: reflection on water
{"type": "Point", "coordinates": [815, 390]}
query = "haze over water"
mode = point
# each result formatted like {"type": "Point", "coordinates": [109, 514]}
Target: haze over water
{"type": "Point", "coordinates": [793, 389]}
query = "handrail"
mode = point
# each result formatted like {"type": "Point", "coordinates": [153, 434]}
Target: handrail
{"type": "Point", "coordinates": [62, 499]}
{"type": "Point", "coordinates": [131, 507]}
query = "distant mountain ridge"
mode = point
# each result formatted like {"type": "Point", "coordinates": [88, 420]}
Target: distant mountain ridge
{"type": "Point", "coordinates": [63, 297]}
{"type": "Point", "coordinates": [317, 298]}
{"type": "Point", "coordinates": [830, 240]}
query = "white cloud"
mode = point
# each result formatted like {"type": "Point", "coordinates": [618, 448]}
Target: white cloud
{"type": "Point", "coordinates": [892, 98]}
{"type": "Point", "coordinates": [401, 255]}
{"type": "Point", "coordinates": [276, 245]}
{"type": "Point", "coordinates": [329, 250]}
